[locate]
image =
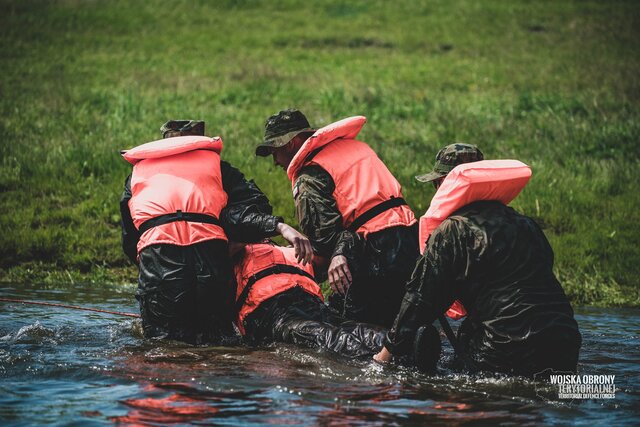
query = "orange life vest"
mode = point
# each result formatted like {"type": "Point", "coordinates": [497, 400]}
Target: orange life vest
{"type": "Point", "coordinates": [367, 195]}
{"type": "Point", "coordinates": [267, 270]}
{"type": "Point", "coordinates": [176, 190]}
{"type": "Point", "coordinates": [500, 180]}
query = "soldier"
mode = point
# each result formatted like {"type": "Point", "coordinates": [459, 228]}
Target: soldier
{"type": "Point", "coordinates": [179, 206]}
{"type": "Point", "coordinates": [496, 262]}
{"type": "Point", "coordinates": [352, 209]}
{"type": "Point", "coordinates": [279, 300]}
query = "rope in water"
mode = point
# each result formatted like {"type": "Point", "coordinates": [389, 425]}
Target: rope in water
{"type": "Point", "coordinates": [74, 307]}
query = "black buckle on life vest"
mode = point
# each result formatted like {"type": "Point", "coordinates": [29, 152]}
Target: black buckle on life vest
{"type": "Point", "coordinates": [178, 216]}
{"type": "Point", "coordinates": [391, 203]}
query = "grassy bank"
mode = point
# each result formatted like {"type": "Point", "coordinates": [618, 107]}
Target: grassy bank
{"type": "Point", "coordinates": [554, 84]}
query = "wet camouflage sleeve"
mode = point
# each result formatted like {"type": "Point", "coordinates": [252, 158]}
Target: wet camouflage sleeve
{"type": "Point", "coordinates": [130, 234]}
{"type": "Point", "coordinates": [247, 216]}
{"type": "Point", "coordinates": [433, 285]}
{"type": "Point", "coordinates": [318, 214]}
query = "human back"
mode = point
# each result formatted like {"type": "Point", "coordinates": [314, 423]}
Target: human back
{"type": "Point", "coordinates": [512, 272]}
{"type": "Point", "coordinates": [166, 180]}
{"type": "Point", "coordinates": [496, 267]}
{"type": "Point", "coordinates": [510, 288]}
{"type": "Point", "coordinates": [362, 182]}
{"type": "Point", "coordinates": [264, 270]}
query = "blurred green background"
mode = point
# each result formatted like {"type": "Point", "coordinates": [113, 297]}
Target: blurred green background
{"type": "Point", "coordinates": [552, 83]}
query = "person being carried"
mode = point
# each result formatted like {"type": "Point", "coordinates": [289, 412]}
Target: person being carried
{"type": "Point", "coordinates": [179, 206]}
{"type": "Point", "coordinates": [352, 209]}
{"type": "Point", "coordinates": [496, 262]}
{"type": "Point", "coordinates": [279, 300]}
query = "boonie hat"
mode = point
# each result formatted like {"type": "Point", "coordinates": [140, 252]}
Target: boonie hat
{"type": "Point", "coordinates": [184, 127]}
{"type": "Point", "coordinates": [449, 157]}
{"type": "Point", "coordinates": [282, 128]}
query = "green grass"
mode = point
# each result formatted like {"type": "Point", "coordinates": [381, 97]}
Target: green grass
{"type": "Point", "coordinates": [554, 84]}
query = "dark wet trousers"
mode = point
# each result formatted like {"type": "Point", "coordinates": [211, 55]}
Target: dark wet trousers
{"type": "Point", "coordinates": [552, 350]}
{"type": "Point", "coordinates": [184, 292]}
{"type": "Point", "coordinates": [297, 317]}
{"type": "Point", "coordinates": [373, 300]}
{"type": "Point", "coordinates": [379, 276]}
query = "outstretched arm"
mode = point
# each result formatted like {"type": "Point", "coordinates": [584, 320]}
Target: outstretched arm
{"type": "Point", "coordinates": [434, 285]}
{"type": "Point", "coordinates": [248, 215]}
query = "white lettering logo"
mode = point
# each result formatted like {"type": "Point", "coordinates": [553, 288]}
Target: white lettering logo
{"type": "Point", "coordinates": [552, 385]}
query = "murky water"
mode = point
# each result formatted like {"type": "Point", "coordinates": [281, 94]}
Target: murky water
{"type": "Point", "coordinates": [67, 367]}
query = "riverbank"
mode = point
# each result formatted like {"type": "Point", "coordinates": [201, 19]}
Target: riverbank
{"type": "Point", "coordinates": [553, 84]}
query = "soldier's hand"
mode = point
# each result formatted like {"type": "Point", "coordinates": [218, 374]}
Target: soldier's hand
{"type": "Point", "coordinates": [300, 242]}
{"type": "Point", "coordinates": [339, 274]}
{"type": "Point", "coordinates": [384, 356]}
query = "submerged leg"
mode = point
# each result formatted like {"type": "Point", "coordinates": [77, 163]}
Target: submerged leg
{"type": "Point", "coordinates": [300, 318]}
{"type": "Point", "coordinates": [183, 292]}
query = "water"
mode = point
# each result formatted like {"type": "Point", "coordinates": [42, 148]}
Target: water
{"type": "Point", "coordinates": [68, 367]}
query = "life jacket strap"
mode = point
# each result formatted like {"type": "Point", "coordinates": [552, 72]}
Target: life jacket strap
{"type": "Point", "coordinates": [375, 211]}
{"type": "Point", "coordinates": [312, 154]}
{"type": "Point", "coordinates": [178, 216]}
{"type": "Point", "coordinates": [275, 269]}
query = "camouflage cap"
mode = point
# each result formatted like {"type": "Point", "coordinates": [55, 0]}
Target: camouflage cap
{"type": "Point", "coordinates": [182, 128]}
{"type": "Point", "coordinates": [282, 128]}
{"type": "Point", "coordinates": [450, 157]}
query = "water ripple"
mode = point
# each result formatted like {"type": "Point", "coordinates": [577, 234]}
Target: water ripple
{"type": "Point", "coordinates": [89, 368]}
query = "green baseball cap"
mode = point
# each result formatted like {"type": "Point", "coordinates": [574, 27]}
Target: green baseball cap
{"type": "Point", "coordinates": [183, 127]}
{"type": "Point", "coordinates": [450, 157]}
{"type": "Point", "coordinates": [281, 128]}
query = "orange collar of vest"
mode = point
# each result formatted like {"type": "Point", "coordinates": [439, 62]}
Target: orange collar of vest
{"type": "Point", "coordinates": [346, 128]}
{"type": "Point", "coordinates": [171, 146]}
{"type": "Point", "coordinates": [500, 180]}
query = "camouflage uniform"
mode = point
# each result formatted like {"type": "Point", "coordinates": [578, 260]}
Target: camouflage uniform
{"type": "Point", "coordinates": [379, 264]}
{"type": "Point", "coordinates": [499, 264]}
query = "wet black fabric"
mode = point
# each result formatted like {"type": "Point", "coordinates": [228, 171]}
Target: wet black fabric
{"type": "Point", "coordinates": [246, 217]}
{"type": "Point", "coordinates": [554, 347]}
{"type": "Point", "coordinates": [380, 265]}
{"type": "Point", "coordinates": [130, 234]}
{"type": "Point", "coordinates": [297, 317]}
{"type": "Point", "coordinates": [499, 264]}
{"type": "Point", "coordinates": [185, 292]}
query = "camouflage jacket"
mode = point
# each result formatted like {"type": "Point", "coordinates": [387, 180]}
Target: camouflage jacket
{"type": "Point", "coordinates": [498, 263]}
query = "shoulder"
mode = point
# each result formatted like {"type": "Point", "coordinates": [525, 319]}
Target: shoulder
{"type": "Point", "coordinates": [454, 225]}
{"type": "Point", "coordinates": [313, 179]}
{"type": "Point", "coordinates": [230, 174]}
{"type": "Point", "coordinates": [225, 167]}
{"type": "Point", "coordinates": [456, 230]}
